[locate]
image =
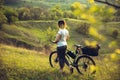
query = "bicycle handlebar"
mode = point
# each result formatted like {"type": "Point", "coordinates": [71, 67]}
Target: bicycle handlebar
{"type": "Point", "coordinates": [78, 46]}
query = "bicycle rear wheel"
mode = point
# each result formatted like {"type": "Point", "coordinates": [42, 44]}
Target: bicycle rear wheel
{"type": "Point", "coordinates": [53, 60]}
{"type": "Point", "coordinates": [85, 65]}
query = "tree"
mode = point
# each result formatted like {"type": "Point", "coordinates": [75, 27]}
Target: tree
{"type": "Point", "coordinates": [24, 13]}
{"type": "Point", "coordinates": [3, 18]}
{"type": "Point", "coordinates": [68, 14]}
{"type": "Point", "coordinates": [11, 14]}
{"type": "Point", "coordinates": [56, 12]}
{"type": "Point", "coordinates": [42, 13]}
{"type": "Point", "coordinates": [34, 13]}
{"type": "Point", "coordinates": [113, 3]}
{"type": "Point", "coordinates": [95, 14]}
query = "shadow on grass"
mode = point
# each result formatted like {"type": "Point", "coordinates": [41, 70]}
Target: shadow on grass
{"type": "Point", "coordinates": [3, 72]}
{"type": "Point", "coordinates": [7, 73]}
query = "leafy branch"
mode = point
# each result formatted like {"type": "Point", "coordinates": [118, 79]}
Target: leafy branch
{"type": "Point", "coordinates": [108, 3]}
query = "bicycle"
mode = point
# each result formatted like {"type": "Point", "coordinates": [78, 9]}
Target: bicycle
{"type": "Point", "coordinates": [79, 60]}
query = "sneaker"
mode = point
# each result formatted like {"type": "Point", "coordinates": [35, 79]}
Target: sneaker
{"type": "Point", "coordinates": [61, 71]}
{"type": "Point", "coordinates": [71, 70]}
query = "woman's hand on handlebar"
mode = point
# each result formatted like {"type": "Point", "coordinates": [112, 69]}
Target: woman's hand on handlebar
{"type": "Point", "coordinates": [52, 41]}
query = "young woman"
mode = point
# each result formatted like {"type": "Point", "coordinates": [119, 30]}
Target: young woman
{"type": "Point", "coordinates": [61, 41]}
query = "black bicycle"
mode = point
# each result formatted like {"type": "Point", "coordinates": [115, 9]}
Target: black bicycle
{"type": "Point", "coordinates": [80, 59]}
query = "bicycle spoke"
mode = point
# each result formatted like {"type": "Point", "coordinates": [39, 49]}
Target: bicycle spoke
{"type": "Point", "coordinates": [85, 64]}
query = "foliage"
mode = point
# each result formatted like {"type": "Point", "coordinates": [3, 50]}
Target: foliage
{"type": "Point", "coordinates": [115, 34]}
{"type": "Point", "coordinates": [58, 9]}
{"type": "Point", "coordinates": [83, 28]}
{"type": "Point", "coordinates": [24, 14]}
{"type": "Point", "coordinates": [3, 18]}
{"type": "Point", "coordinates": [117, 15]}
{"type": "Point", "coordinates": [56, 12]}
{"type": "Point", "coordinates": [18, 64]}
{"type": "Point", "coordinates": [11, 14]}
{"type": "Point", "coordinates": [49, 34]}
{"type": "Point", "coordinates": [8, 15]}
{"type": "Point", "coordinates": [18, 34]}
{"type": "Point", "coordinates": [113, 3]}
{"type": "Point", "coordinates": [94, 13]}
{"type": "Point", "coordinates": [28, 13]}
{"type": "Point", "coordinates": [68, 14]}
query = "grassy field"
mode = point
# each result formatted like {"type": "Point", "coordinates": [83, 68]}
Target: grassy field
{"type": "Point", "coordinates": [25, 46]}
{"type": "Point", "coordinates": [34, 34]}
{"type": "Point", "coordinates": [22, 64]}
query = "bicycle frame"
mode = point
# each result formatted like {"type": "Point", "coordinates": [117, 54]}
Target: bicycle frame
{"type": "Point", "coordinates": [77, 53]}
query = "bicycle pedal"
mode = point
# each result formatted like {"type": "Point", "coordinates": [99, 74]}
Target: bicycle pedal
{"type": "Point", "coordinates": [75, 65]}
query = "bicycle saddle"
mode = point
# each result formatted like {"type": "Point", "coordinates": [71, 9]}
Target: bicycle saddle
{"type": "Point", "coordinates": [78, 46]}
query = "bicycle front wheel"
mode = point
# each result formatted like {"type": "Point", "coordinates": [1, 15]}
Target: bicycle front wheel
{"type": "Point", "coordinates": [53, 60]}
{"type": "Point", "coordinates": [85, 65]}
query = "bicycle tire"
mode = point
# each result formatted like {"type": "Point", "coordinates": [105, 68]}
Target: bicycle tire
{"type": "Point", "coordinates": [52, 58]}
{"type": "Point", "coordinates": [84, 63]}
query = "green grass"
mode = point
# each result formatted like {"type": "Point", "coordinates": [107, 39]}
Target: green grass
{"type": "Point", "coordinates": [32, 33]}
{"type": "Point", "coordinates": [22, 64]}
{"type": "Point", "coordinates": [38, 33]}
{"type": "Point", "coordinates": [19, 33]}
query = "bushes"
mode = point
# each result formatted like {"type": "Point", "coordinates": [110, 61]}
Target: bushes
{"type": "Point", "coordinates": [3, 18]}
{"type": "Point", "coordinates": [83, 28]}
{"type": "Point", "coordinates": [115, 34]}
{"type": "Point", "coordinates": [24, 14]}
{"type": "Point", "coordinates": [8, 14]}
{"type": "Point", "coordinates": [112, 29]}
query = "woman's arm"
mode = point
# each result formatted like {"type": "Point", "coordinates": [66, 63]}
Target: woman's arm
{"type": "Point", "coordinates": [58, 37]}
{"type": "Point", "coordinates": [68, 36]}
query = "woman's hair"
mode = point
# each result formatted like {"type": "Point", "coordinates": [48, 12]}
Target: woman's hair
{"type": "Point", "coordinates": [62, 24]}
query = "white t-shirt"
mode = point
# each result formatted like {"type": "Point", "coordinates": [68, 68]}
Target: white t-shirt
{"type": "Point", "coordinates": [64, 33]}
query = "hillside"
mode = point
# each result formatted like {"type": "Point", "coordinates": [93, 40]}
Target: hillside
{"type": "Point", "coordinates": [27, 26]}
{"type": "Point", "coordinates": [37, 34]}
{"type": "Point", "coordinates": [30, 35]}
{"type": "Point", "coordinates": [24, 64]}
{"type": "Point", "coordinates": [43, 3]}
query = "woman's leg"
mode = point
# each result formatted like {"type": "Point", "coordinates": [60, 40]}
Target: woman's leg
{"type": "Point", "coordinates": [61, 55]}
